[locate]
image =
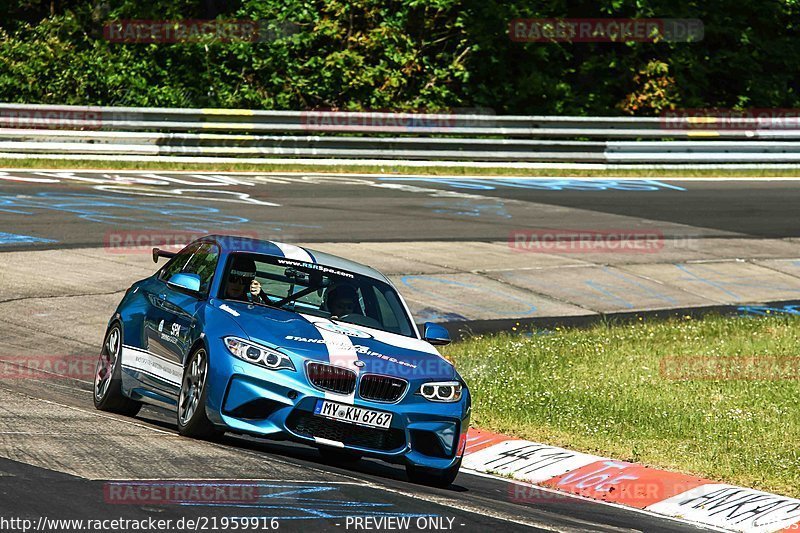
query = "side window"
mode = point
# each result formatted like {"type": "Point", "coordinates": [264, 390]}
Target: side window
{"type": "Point", "coordinates": [203, 263]}
{"type": "Point", "coordinates": [177, 263]}
{"type": "Point", "coordinates": [388, 316]}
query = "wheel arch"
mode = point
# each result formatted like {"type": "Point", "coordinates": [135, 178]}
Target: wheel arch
{"type": "Point", "coordinates": [116, 319]}
{"type": "Point", "coordinates": [199, 342]}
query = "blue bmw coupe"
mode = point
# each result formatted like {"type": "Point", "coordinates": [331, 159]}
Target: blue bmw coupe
{"type": "Point", "coordinates": [274, 340]}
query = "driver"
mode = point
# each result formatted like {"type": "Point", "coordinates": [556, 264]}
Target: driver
{"type": "Point", "coordinates": [242, 283]}
{"type": "Point", "coordinates": [342, 300]}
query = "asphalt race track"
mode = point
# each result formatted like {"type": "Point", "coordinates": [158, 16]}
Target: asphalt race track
{"type": "Point", "coordinates": [60, 458]}
{"type": "Point", "coordinates": [293, 484]}
{"type": "Point", "coordinates": [79, 209]}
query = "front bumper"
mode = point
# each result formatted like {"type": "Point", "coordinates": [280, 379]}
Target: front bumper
{"type": "Point", "coordinates": [250, 399]}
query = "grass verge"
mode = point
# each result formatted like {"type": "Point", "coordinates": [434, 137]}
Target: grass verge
{"type": "Point", "coordinates": [80, 164]}
{"type": "Point", "coordinates": [677, 394]}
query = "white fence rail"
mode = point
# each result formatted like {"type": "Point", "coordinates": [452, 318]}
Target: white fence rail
{"type": "Point", "coordinates": [463, 137]}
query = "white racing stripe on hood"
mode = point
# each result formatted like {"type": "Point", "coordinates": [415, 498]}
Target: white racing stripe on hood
{"type": "Point", "coordinates": [400, 341]}
{"type": "Point", "coordinates": [394, 340]}
{"type": "Point", "coordinates": [290, 251]}
{"type": "Point", "coordinates": [341, 352]}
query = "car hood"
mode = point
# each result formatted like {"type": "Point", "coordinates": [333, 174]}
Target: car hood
{"type": "Point", "coordinates": [319, 339]}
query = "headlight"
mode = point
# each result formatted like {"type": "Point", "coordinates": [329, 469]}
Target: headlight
{"type": "Point", "coordinates": [257, 354]}
{"type": "Point", "coordinates": [444, 391]}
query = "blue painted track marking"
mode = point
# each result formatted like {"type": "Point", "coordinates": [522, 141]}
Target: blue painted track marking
{"type": "Point", "coordinates": [721, 285]}
{"type": "Point", "coordinates": [528, 309]}
{"type": "Point", "coordinates": [297, 502]}
{"type": "Point", "coordinates": [153, 214]}
{"type": "Point", "coordinates": [319, 514]}
{"type": "Point", "coordinates": [633, 280]}
{"type": "Point", "coordinates": [570, 295]}
{"type": "Point", "coordinates": [765, 310]}
{"type": "Point", "coordinates": [546, 184]}
{"type": "Point", "coordinates": [469, 208]}
{"type": "Point", "coordinates": [429, 314]}
{"type": "Point", "coordinates": [95, 208]}
{"type": "Point", "coordinates": [701, 279]}
{"type": "Point", "coordinates": [13, 238]}
{"type": "Point", "coordinates": [600, 291]}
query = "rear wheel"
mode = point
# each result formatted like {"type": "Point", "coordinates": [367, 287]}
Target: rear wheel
{"type": "Point", "coordinates": [192, 419]}
{"type": "Point", "coordinates": [108, 377]}
{"type": "Point", "coordinates": [436, 478]}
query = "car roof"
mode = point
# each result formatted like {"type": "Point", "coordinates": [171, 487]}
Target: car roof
{"type": "Point", "coordinates": [232, 243]}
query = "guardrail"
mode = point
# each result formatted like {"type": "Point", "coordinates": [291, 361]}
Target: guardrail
{"type": "Point", "coordinates": [149, 132]}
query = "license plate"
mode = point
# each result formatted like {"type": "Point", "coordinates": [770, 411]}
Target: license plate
{"type": "Point", "coordinates": [352, 414]}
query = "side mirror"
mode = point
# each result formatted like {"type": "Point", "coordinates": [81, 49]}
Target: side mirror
{"type": "Point", "coordinates": [189, 282]}
{"type": "Point", "coordinates": [435, 334]}
{"type": "Point", "coordinates": [157, 252]}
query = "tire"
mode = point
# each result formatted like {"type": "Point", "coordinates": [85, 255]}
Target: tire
{"type": "Point", "coordinates": [192, 419]}
{"type": "Point", "coordinates": [337, 456]}
{"type": "Point", "coordinates": [107, 390]}
{"type": "Point", "coordinates": [435, 478]}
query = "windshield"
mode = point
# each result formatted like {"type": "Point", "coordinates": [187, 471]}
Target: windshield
{"type": "Point", "coordinates": [316, 290]}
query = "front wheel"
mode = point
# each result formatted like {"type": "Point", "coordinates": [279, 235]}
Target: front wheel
{"type": "Point", "coordinates": [436, 478]}
{"type": "Point", "coordinates": [108, 377]}
{"type": "Point", "coordinates": [192, 419]}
